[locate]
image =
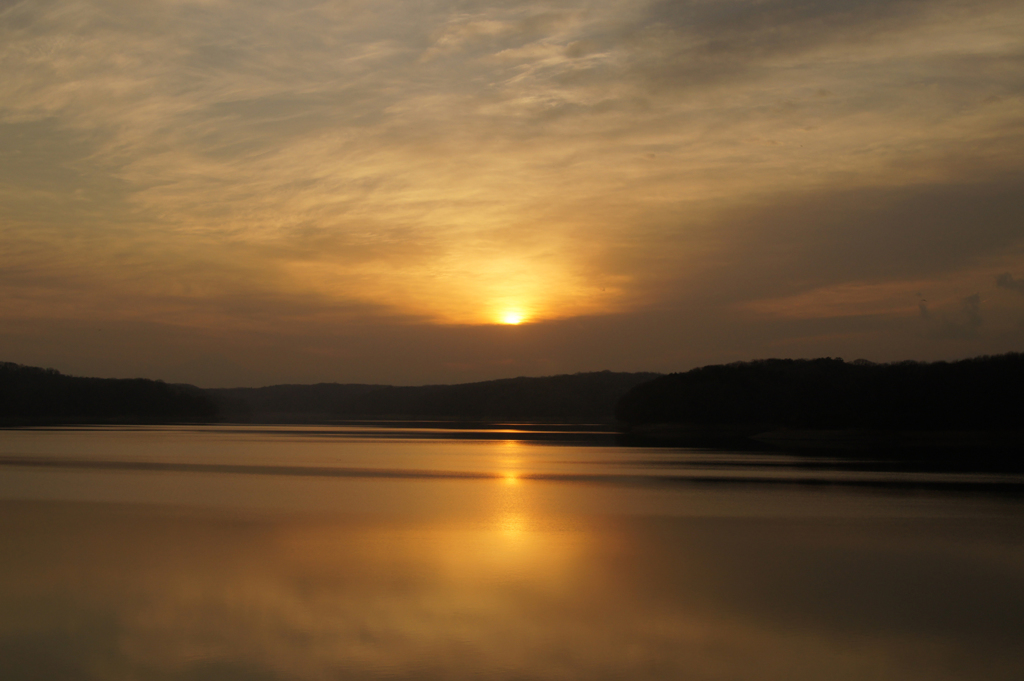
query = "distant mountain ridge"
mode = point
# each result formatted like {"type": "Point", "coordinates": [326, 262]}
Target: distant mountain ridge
{"type": "Point", "coordinates": [36, 396]}
{"type": "Point", "coordinates": [742, 399]}
{"type": "Point", "coordinates": [583, 397]}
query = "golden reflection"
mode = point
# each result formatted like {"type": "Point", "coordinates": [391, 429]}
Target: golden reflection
{"type": "Point", "coordinates": [511, 463]}
{"type": "Point", "coordinates": [203, 595]}
{"type": "Point", "coordinates": [512, 525]}
{"type": "Point", "coordinates": [511, 529]}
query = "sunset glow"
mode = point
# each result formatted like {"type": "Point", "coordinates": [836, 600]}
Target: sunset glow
{"type": "Point", "coordinates": [664, 184]}
{"type": "Point", "coordinates": [512, 318]}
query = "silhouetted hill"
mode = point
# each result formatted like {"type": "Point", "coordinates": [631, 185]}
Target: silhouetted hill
{"type": "Point", "coordinates": [288, 403]}
{"type": "Point", "coordinates": [745, 398]}
{"type": "Point", "coordinates": [31, 396]}
{"type": "Point", "coordinates": [585, 397]}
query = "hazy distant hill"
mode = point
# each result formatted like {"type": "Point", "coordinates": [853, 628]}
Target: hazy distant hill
{"type": "Point", "coordinates": [585, 397]}
{"type": "Point", "coordinates": [30, 395]}
{"type": "Point", "coordinates": [981, 394]}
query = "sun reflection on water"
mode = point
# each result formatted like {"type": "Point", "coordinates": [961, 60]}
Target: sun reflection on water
{"type": "Point", "coordinates": [512, 525]}
{"type": "Point", "coordinates": [510, 463]}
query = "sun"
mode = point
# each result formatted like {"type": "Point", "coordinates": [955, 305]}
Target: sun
{"type": "Point", "coordinates": [512, 318]}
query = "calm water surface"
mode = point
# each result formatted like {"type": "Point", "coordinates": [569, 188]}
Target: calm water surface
{"type": "Point", "coordinates": [386, 553]}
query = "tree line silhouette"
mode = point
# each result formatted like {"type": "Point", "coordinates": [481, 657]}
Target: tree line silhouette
{"type": "Point", "coordinates": [978, 394]}
{"type": "Point", "coordinates": [34, 396]}
{"type": "Point", "coordinates": [984, 393]}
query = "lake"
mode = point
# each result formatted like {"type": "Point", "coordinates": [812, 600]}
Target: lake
{"type": "Point", "coordinates": [369, 551]}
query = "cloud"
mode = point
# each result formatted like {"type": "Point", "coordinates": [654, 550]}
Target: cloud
{"type": "Point", "coordinates": [437, 162]}
{"type": "Point", "coordinates": [843, 300]}
{"type": "Point", "coordinates": [1007, 281]}
{"type": "Point", "coordinates": [965, 323]}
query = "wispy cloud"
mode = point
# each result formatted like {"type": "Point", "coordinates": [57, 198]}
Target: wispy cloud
{"type": "Point", "coordinates": [446, 161]}
{"type": "Point", "coordinates": [964, 323]}
{"type": "Point", "coordinates": [1006, 280]}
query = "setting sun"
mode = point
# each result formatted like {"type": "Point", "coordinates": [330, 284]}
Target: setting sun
{"type": "Point", "coordinates": [512, 318]}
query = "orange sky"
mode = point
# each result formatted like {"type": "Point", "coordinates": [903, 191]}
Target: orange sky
{"type": "Point", "coordinates": [237, 193]}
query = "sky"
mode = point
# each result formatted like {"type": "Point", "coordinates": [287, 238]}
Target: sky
{"type": "Point", "coordinates": [242, 193]}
